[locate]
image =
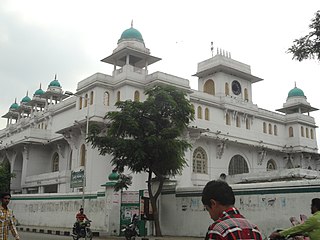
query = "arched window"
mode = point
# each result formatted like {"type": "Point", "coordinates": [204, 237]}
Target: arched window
{"type": "Point", "coordinates": [137, 96]}
{"type": "Point", "coordinates": [238, 165]}
{"type": "Point", "coordinates": [311, 134]}
{"type": "Point", "coordinates": [275, 130]}
{"type": "Point", "coordinates": [80, 103]}
{"type": "Point", "coordinates": [270, 128]}
{"type": "Point", "coordinates": [55, 162]}
{"type": "Point", "coordinates": [82, 155]}
{"type": "Point", "coordinates": [200, 161]}
{"type": "Point", "coordinates": [238, 121]}
{"type": "Point", "coordinates": [226, 89]}
{"type": "Point", "coordinates": [118, 96]}
{"type": "Point", "coordinates": [290, 132]}
{"type": "Point", "coordinates": [264, 127]}
{"type": "Point", "coordinates": [302, 131]}
{"type": "Point", "coordinates": [247, 124]}
{"type": "Point", "coordinates": [206, 114]}
{"type": "Point", "coordinates": [106, 100]}
{"type": "Point", "coordinates": [209, 87]}
{"type": "Point", "coordinates": [91, 97]}
{"type": "Point", "coordinates": [228, 121]}
{"type": "Point", "coordinates": [246, 95]}
{"type": "Point", "coordinates": [86, 100]}
{"type": "Point", "coordinates": [307, 132]}
{"type": "Point", "coordinates": [199, 112]}
{"type": "Point", "coordinates": [271, 165]}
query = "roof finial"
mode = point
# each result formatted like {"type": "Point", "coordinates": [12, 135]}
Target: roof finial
{"type": "Point", "coordinates": [40, 86]}
{"type": "Point", "coordinates": [212, 49]}
{"type": "Point", "coordinates": [132, 23]}
{"type": "Point", "coordinates": [55, 77]}
{"type": "Point", "coordinates": [27, 93]}
{"type": "Point", "coordinates": [15, 100]}
{"type": "Point", "coordinates": [295, 84]}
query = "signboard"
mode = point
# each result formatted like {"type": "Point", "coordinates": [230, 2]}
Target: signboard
{"type": "Point", "coordinates": [77, 179]}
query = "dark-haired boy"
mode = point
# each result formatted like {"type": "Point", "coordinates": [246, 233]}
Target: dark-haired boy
{"type": "Point", "coordinates": [218, 199]}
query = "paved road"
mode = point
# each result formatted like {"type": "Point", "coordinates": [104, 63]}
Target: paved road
{"type": "Point", "coordinates": [40, 236]}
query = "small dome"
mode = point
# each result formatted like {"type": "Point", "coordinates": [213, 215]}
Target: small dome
{"type": "Point", "coordinates": [114, 176]}
{"type": "Point", "coordinates": [54, 83]}
{"type": "Point", "coordinates": [131, 33]}
{"type": "Point", "coordinates": [14, 106]}
{"type": "Point", "coordinates": [39, 92]}
{"type": "Point", "coordinates": [26, 99]}
{"type": "Point", "coordinates": [296, 92]}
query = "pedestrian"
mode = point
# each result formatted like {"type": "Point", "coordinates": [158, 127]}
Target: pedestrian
{"type": "Point", "coordinates": [218, 199]}
{"type": "Point", "coordinates": [6, 219]}
{"type": "Point", "coordinates": [311, 226]}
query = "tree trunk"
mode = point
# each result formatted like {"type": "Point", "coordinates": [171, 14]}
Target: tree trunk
{"type": "Point", "coordinates": [153, 199]}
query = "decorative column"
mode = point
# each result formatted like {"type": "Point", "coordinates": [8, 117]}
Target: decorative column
{"type": "Point", "coordinates": [113, 204]}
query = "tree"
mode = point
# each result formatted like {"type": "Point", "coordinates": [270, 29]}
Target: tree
{"type": "Point", "coordinates": [147, 137]}
{"type": "Point", "coordinates": [308, 47]}
{"type": "Point", "coordinates": [5, 176]}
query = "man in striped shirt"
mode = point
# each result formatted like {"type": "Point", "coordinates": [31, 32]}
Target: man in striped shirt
{"type": "Point", "coordinates": [218, 199]}
{"type": "Point", "coordinates": [6, 219]}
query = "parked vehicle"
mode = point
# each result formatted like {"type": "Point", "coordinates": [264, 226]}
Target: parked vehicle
{"type": "Point", "coordinates": [131, 230]}
{"type": "Point", "coordinates": [84, 231]}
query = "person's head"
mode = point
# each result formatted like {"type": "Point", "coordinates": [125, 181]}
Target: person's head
{"type": "Point", "coordinates": [315, 205]}
{"type": "Point", "coordinates": [217, 196]}
{"type": "Point", "coordinates": [5, 198]}
{"type": "Point", "coordinates": [81, 210]}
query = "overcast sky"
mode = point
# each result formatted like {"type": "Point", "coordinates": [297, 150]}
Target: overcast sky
{"type": "Point", "coordinates": [41, 38]}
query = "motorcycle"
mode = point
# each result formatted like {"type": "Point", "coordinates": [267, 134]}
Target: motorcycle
{"type": "Point", "coordinates": [84, 231]}
{"type": "Point", "coordinates": [131, 230]}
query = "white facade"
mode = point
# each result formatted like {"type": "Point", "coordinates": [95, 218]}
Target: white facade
{"type": "Point", "coordinates": [44, 139]}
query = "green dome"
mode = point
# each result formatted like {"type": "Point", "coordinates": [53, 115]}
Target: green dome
{"type": "Point", "coordinates": [26, 99]}
{"type": "Point", "coordinates": [14, 106]}
{"type": "Point", "coordinates": [114, 176]}
{"type": "Point", "coordinates": [296, 92]}
{"type": "Point", "coordinates": [55, 83]}
{"type": "Point", "coordinates": [131, 33]}
{"type": "Point", "coordinates": [39, 92]}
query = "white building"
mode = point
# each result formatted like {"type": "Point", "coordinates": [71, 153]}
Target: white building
{"type": "Point", "coordinates": [44, 139]}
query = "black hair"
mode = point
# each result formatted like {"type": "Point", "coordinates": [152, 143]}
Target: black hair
{"type": "Point", "coordinates": [2, 195]}
{"type": "Point", "coordinates": [316, 203]}
{"type": "Point", "coordinates": [219, 191]}
{"type": "Point", "coordinates": [81, 209]}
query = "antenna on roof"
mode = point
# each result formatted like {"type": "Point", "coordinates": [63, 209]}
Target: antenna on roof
{"type": "Point", "coordinates": [212, 48]}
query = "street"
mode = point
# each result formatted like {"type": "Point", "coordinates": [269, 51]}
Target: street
{"type": "Point", "coordinates": [39, 236]}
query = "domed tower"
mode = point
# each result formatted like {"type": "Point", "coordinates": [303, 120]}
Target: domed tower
{"type": "Point", "coordinates": [13, 114]}
{"type": "Point", "coordinates": [24, 108]}
{"type": "Point", "coordinates": [131, 55]}
{"type": "Point", "coordinates": [38, 101]}
{"type": "Point", "coordinates": [300, 127]}
{"type": "Point", "coordinates": [296, 103]}
{"type": "Point", "coordinates": [54, 93]}
{"type": "Point", "coordinates": [54, 86]}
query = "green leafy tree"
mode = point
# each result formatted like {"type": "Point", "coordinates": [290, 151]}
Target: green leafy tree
{"type": "Point", "coordinates": [308, 47]}
{"type": "Point", "coordinates": [147, 137]}
{"type": "Point", "coordinates": [5, 176]}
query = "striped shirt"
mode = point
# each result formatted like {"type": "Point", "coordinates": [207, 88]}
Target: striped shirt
{"type": "Point", "coordinates": [6, 223]}
{"type": "Point", "coordinates": [231, 225]}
